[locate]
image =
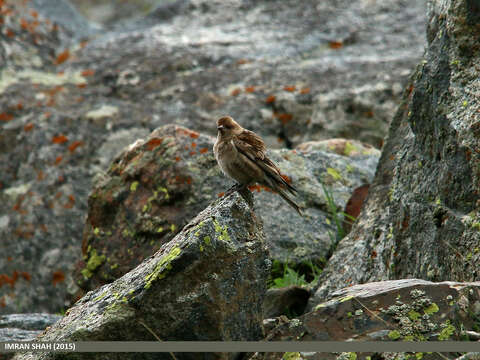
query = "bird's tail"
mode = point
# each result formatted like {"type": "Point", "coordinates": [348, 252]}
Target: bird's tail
{"type": "Point", "coordinates": [289, 201]}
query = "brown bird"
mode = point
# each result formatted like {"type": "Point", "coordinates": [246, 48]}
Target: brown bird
{"type": "Point", "coordinates": [240, 153]}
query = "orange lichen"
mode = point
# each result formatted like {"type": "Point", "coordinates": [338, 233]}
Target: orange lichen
{"type": "Point", "coordinates": [305, 90]}
{"type": "Point", "coordinates": [191, 133]}
{"type": "Point", "coordinates": [40, 175]}
{"type": "Point", "coordinates": [6, 117]}
{"type": "Point", "coordinates": [243, 61]}
{"type": "Point", "coordinates": [26, 275]}
{"type": "Point", "coordinates": [177, 158]}
{"type": "Point", "coordinates": [153, 143]}
{"type": "Point", "coordinates": [335, 45]}
{"type": "Point", "coordinates": [220, 194]}
{"type": "Point", "coordinates": [81, 86]}
{"type": "Point", "coordinates": [369, 113]}
{"type": "Point", "coordinates": [70, 203]}
{"type": "Point", "coordinates": [10, 33]}
{"type": "Point", "coordinates": [59, 139]}
{"type": "Point", "coordinates": [18, 205]}
{"type": "Point", "coordinates": [62, 57]}
{"type": "Point", "coordinates": [255, 187]}
{"type": "Point", "coordinates": [10, 280]}
{"type": "Point", "coordinates": [270, 99]}
{"type": "Point", "coordinates": [191, 153]}
{"type": "Point", "coordinates": [284, 117]}
{"type": "Point", "coordinates": [54, 90]}
{"type": "Point", "coordinates": [28, 127]}
{"type": "Point", "coordinates": [250, 89]}
{"type": "Point", "coordinates": [290, 88]}
{"type": "Point", "coordinates": [203, 150]}
{"type": "Point", "coordinates": [235, 92]}
{"type": "Point", "coordinates": [58, 160]}
{"type": "Point", "coordinates": [74, 145]}
{"type": "Point", "coordinates": [19, 106]}
{"type": "Point", "coordinates": [193, 145]}
{"type": "Point", "coordinates": [88, 72]}
{"type": "Point", "coordinates": [34, 13]}
{"type": "Point", "coordinates": [58, 277]}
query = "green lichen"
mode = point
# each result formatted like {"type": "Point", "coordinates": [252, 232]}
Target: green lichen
{"type": "Point", "coordinates": [291, 356]}
{"type": "Point", "coordinates": [134, 186]}
{"type": "Point", "coordinates": [413, 315]}
{"type": "Point", "coordinates": [221, 231]}
{"type": "Point", "coordinates": [334, 174]}
{"type": "Point", "coordinates": [432, 309]}
{"type": "Point", "coordinates": [346, 298]}
{"type": "Point", "coordinates": [165, 191]}
{"type": "Point", "coordinates": [207, 240]}
{"type": "Point", "coordinates": [349, 148]}
{"type": "Point", "coordinates": [94, 261]}
{"type": "Point", "coordinates": [101, 296]}
{"type": "Point", "coordinates": [173, 227]}
{"type": "Point", "coordinates": [96, 231]}
{"type": "Point", "coordinates": [394, 335]}
{"type": "Point", "coordinates": [159, 229]}
{"type": "Point", "coordinates": [162, 267]}
{"type": "Point", "coordinates": [447, 331]}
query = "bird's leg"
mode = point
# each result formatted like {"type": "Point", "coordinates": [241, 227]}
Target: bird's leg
{"type": "Point", "coordinates": [236, 187]}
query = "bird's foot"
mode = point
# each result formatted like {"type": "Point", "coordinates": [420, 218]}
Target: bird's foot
{"type": "Point", "coordinates": [236, 187]}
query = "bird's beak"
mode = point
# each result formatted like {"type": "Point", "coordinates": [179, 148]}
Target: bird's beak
{"type": "Point", "coordinates": [220, 127]}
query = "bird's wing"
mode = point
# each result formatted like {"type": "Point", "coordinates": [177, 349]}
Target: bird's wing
{"type": "Point", "coordinates": [253, 147]}
{"type": "Point", "coordinates": [250, 144]}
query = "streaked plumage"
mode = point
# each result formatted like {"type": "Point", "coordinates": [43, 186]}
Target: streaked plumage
{"type": "Point", "coordinates": [241, 154]}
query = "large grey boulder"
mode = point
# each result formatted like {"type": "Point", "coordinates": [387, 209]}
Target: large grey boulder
{"type": "Point", "coordinates": [422, 216]}
{"type": "Point", "coordinates": [207, 283]}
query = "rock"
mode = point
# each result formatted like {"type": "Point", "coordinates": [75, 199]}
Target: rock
{"type": "Point", "coordinates": [291, 300]}
{"type": "Point", "coordinates": [271, 65]}
{"type": "Point", "coordinates": [158, 184]}
{"type": "Point", "coordinates": [396, 310]}
{"type": "Point", "coordinates": [179, 293]}
{"type": "Point", "coordinates": [422, 216]}
{"type": "Point", "coordinates": [63, 13]}
{"type": "Point", "coordinates": [24, 327]}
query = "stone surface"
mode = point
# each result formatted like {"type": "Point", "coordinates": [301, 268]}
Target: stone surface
{"type": "Point", "coordinates": [284, 69]}
{"type": "Point", "coordinates": [157, 185]}
{"type": "Point", "coordinates": [422, 217]}
{"type": "Point", "coordinates": [24, 327]}
{"type": "Point", "coordinates": [396, 310]}
{"type": "Point", "coordinates": [207, 283]}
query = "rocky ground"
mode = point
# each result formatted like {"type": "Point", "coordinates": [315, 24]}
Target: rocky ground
{"type": "Point", "coordinates": [108, 182]}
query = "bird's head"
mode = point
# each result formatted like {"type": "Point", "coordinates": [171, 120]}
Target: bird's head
{"type": "Point", "coordinates": [228, 127]}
